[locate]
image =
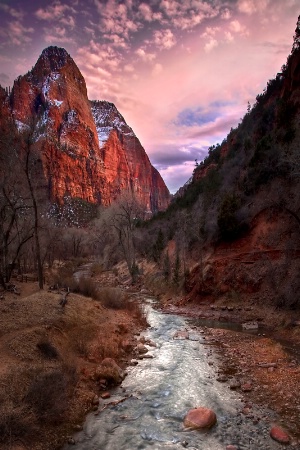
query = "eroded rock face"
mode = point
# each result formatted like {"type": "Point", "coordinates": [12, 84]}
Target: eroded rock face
{"type": "Point", "coordinates": [87, 149]}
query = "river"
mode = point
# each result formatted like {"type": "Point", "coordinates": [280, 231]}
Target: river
{"type": "Point", "coordinates": [159, 391]}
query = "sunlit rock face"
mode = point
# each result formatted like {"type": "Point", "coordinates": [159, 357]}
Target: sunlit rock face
{"type": "Point", "coordinates": [87, 149]}
{"type": "Point", "coordinates": [126, 163]}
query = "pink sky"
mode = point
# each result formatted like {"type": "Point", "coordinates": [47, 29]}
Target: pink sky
{"type": "Point", "coordinates": [180, 72]}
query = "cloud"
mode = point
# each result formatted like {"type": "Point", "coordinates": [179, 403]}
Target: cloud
{"type": "Point", "coordinates": [226, 14]}
{"type": "Point", "coordinates": [157, 69]}
{"type": "Point", "coordinates": [228, 36]}
{"type": "Point", "coordinates": [164, 39]}
{"type": "Point", "coordinates": [236, 27]}
{"type": "Point", "coordinates": [210, 45]}
{"type": "Point", "coordinates": [102, 68]}
{"type": "Point", "coordinates": [18, 34]}
{"type": "Point", "coordinates": [210, 31]}
{"type": "Point", "coordinates": [129, 68]}
{"type": "Point", "coordinates": [16, 14]}
{"type": "Point", "coordinates": [187, 14]}
{"type": "Point", "coordinates": [59, 12]}
{"type": "Point", "coordinates": [252, 6]}
{"type": "Point", "coordinates": [190, 117]}
{"type": "Point", "coordinates": [4, 79]}
{"type": "Point", "coordinates": [117, 18]}
{"type": "Point", "coordinates": [58, 35]}
{"type": "Point", "coordinates": [146, 13]}
{"type": "Point", "coordinates": [116, 40]}
{"type": "Point", "coordinates": [144, 56]}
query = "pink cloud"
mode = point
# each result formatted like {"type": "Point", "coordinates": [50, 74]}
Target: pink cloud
{"type": "Point", "coordinates": [236, 27]}
{"type": "Point", "coordinates": [157, 69]}
{"type": "Point", "coordinates": [164, 39]}
{"type": "Point", "coordinates": [187, 14]}
{"type": "Point", "coordinates": [17, 14]}
{"type": "Point", "coordinates": [58, 35]}
{"type": "Point", "coordinates": [146, 12]}
{"type": "Point", "coordinates": [117, 17]}
{"type": "Point", "coordinates": [56, 11]}
{"type": "Point", "coordinates": [144, 56]}
{"type": "Point", "coordinates": [210, 45]}
{"type": "Point", "coordinates": [19, 34]}
{"type": "Point", "coordinates": [252, 6]}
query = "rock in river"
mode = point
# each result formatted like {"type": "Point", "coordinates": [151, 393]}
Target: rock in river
{"type": "Point", "coordinates": [279, 435]}
{"type": "Point", "coordinates": [199, 418]}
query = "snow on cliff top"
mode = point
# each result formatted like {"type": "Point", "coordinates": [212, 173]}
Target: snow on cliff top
{"type": "Point", "coordinates": [108, 118]}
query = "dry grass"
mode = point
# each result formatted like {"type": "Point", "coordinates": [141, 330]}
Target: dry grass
{"type": "Point", "coordinates": [49, 393]}
{"type": "Point", "coordinates": [43, 350]}
{"type": "Point", "coordinates": [113, 298]}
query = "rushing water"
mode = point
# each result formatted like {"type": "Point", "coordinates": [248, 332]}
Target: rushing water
{"type": "Point", "coordinates": [161, 390]}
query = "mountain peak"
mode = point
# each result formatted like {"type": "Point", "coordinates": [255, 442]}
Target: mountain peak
{"type": "Point", "coordinates": [53, 59]}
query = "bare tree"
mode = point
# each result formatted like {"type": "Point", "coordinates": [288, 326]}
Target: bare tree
{"type": "Point", "coordinates": [121, 220]}
{"type": "Point", "coordinates": [32, 170]}
{"type": "Point", "coordinates": [15, 221]}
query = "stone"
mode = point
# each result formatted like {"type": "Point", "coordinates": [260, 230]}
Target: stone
{"type": "Point", "coordinates": [200, 418]}
{"type": "Point", "coordinates": [250, 325]}
{"type": "Point", "coordinates": [105, 395]}
{"type": "Point", "coordinates": [222, 378]}
{"type": "Point", "coordinates": [279, 435]}
{"type": "Point", "coordinates": [110, 371]}
{"type": "Point", "coordinates": [231, 447]}
{"type": "Point", "coordinates": [234, 384]}
{"type": "Point", "coordinates": [247, 387]}
{"type": "Point", "coordinates": [142, 349]}
{"type": "Point", "coordinates": [127, 346]}
{"type": "Point", "coordinates": [95, 400]}
{"type": "Point", "coordinates": [134, 362]}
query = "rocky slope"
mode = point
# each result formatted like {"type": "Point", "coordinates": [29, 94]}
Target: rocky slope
{"type": "Point", "coordinates": [87, 149]}
{"type": "Point", "coordinates": [237, 221]}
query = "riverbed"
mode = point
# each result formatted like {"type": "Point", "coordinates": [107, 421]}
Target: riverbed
{"type": "Point", "coordinates": [176, 375]}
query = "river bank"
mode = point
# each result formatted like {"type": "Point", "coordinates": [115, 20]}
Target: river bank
{"type": "Point", "coordinates": [266, 360]}
{"type": "Point", "coordinates": [177, 374]}
{"type": "Point", "coordinates": [49, 358]}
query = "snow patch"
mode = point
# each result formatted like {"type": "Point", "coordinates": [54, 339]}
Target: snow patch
{"type": "Point", "coordinates": [54, 76]}
{"type": "Point", "coordinates": [57, 103]}
{"type": "Point", "coordinates": [107, 118]}
{"type": "Point", "coordinates": [21, 126]}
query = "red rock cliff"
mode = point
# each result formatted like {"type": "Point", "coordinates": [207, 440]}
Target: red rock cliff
{"type": "Point", "coordinates": [87, 149]}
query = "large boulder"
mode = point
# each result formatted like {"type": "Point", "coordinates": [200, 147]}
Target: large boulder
{"type": "Point", "coordinates": [200, 418]}
{"type": "Point", "coordinates": [110, 371]}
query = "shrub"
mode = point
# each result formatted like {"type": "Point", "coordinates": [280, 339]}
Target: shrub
{"type": "Point", "coordinates": [47, 349]}
{"type": "Point", "coordinates": [49, 393]}
{"type": "Point", "coordinates": [112, 298]}
{"type": "Point", "coordinates": [86, 287]}
{"type": "Point", "coordinates": [80, 338]}
{"type": "Point", "coordinates": [14, 423]}
{"type": "Point", "coordinates": [138, 312]}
